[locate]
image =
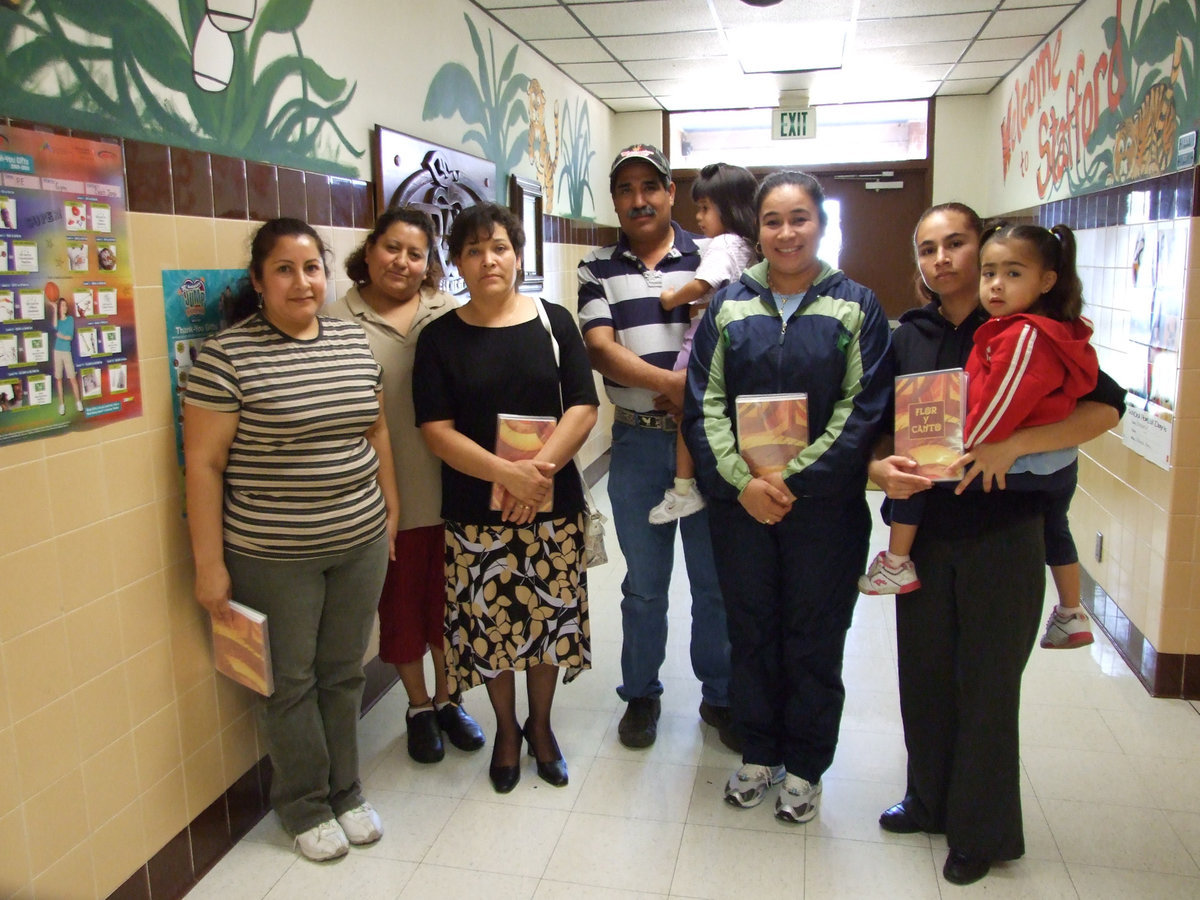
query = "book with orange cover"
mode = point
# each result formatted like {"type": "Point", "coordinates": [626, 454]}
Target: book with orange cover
{"type": "Point", "coordinates": [242, 649]}
{"type": "Point", "coordinates": [931, 409]}
{"type": "Point", "coordinates": [772, 430]}
{"type": "Point", "coordinates": [522, 437]}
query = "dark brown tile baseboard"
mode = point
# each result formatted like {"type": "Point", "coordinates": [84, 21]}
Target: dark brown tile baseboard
{"type": "Point", "coordinates": [186, 858]}
{"type": "Point", "coordinates": [1173, 675]}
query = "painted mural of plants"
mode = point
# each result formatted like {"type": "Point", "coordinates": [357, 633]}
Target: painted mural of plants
{"type": "Point", "coordinates": [577, 155]}
{"type": "Point", "coordinates": [495, 104]}
{"type": "Point", "coordinates": [120, 66]}
{"type": "Point", "coordinates": [1155, 63]}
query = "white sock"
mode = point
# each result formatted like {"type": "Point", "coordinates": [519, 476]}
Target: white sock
{"type": "Point", "coordinates": [683, 486]}
{"type": "Point", "coordinates": [442, 704]}
{"type": "Point", "coordinates": [413, 710]}
{"type": "Point", "coordinates": [895, 560]}
{"type": "Point", "coordinates": [1067, 612]}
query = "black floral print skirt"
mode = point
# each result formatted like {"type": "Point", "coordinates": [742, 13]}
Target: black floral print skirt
{"type": "Point", "coordinates": [516, 596]}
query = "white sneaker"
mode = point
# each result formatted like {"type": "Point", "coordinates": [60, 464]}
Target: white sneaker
{"type": "Point", "coordinates": [676, 506]}
{"type": "Point", "coordinates": [62, 409]}
{"type": "Point", "coordinates": [78, 404]}
{"type": "Point", "coordinates": [798, 800]}
{"type": "Point", "coordinates": [361, 824]}
{"type": "Point", "coordinates": [883, 579]}
{"type": "Point", "coordinates": [749, 784]}
{"type": "Point", "coordinates": [325, 841]}
{"type": "Point", "coordinates": [1065, 632]}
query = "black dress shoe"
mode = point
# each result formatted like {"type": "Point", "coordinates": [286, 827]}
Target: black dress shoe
{"type": "Point", "coordinates": [639, 726]}
{"type": "Point", "coordinates": [720, 719]}
{"type": "Point", "coordinates": [897, 820]}
{"type": "Point", "coordinates": [425, 738]}
{"type": "Point", "coordinates": [553, 772]}
{"type": "Point", "coordinates": [504, 778]}
{"type": "Point", "coordinates": [963, 869]}
{"type": "Point", "coordinates": [462, 731]}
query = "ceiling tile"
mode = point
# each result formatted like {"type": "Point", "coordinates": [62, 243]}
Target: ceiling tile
{"type": "Point", "coordinates": [993, 68]}
{"type": "Point", "coordinates": [657, 46]}
{"type": "Point", "coordinates": [644, 17]}
{"type": "Point", "coordinates": [618, 89]}
{"type": "Point", "coordinates": [1028, 4]}
{"type": "Point", "coordinates": [734, 12]}
{"type": "Point", "coordinates": [508, 4]}
{"type": "Point", "coordinates": [967, 86]}
{"type": "Point", "coordinates": [1002, 48]}
{"type": "Point", "coordinates": [681, 68]}
{"type": "Point", "coordinates": [893, 9]}
{"type": "Point", "coordinates": [571, 50]}
{"type": "Point", "coordinates": [585, 73]}
{"type": "Point", "coordinates": [541, 22]}
{"type": "Point", "coordinates": [632, 104]}
{"type": "Point", "coordinates": [913, 54]}
{"type": "Point", "coordinates": [898, 32]}
{"type": "Point", "coordinates": [1019, 22]}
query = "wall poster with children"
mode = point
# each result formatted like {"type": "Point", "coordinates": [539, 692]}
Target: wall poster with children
{"type": "Point", "coordinates": [195, 303]}
{"type": "Point", "coordinates": [68, 342]}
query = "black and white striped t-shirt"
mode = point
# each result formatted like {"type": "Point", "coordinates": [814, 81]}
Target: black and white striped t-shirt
{"type": "Point", "coordinates": [300, 481]}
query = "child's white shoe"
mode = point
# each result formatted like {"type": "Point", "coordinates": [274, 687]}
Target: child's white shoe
{"type": "Point", "coordinates": [1067, 629]}
{"type": "Point", "coordinates": [883, 579]}
{"type": "Point", "coordinates": [676, 506]}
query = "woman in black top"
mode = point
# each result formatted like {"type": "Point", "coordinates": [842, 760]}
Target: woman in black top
{"type": "Point", "coordinates": [964, 637]}
{"type": "Point", "coordinates": [517, 593]}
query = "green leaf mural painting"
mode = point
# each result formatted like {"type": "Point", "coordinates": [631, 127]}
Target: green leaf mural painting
{"type": "Point", "coordinates": [122, 67]}
{"type": "Point", "coordinates": [495, 104]}
{"type": "Point", "coordinates": [577, 154]}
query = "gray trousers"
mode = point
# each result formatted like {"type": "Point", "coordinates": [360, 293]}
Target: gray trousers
{"type": "Point", "coordinates": [319, 616]}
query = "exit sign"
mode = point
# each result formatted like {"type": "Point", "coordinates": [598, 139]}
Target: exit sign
{"type": "Point", "coordinates": [793, 124]}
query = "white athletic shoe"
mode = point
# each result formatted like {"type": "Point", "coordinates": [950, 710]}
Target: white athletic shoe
{"type": "Point", "coordinates": [361, 824]}
{"type": "Point", "coordinates": [676, 506]}
{"type": "Point", "coordinates": [749, 784]}
{"type": "Point", "coordinates": [798, 800]}
{"type": "Point", "coordinates": [324, 841]}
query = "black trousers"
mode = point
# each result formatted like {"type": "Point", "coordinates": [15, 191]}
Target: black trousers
{"type": "Point", "coordinates": [789, 592]}
{"type": "Point", "coordinates": [963, 640]}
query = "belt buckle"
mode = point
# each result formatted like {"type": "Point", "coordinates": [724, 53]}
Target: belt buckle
{"type": "Point", "coordinates": [646, 420]}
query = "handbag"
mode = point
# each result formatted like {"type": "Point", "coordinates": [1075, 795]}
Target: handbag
{"type": "Point", "coordinates": [594, 551]}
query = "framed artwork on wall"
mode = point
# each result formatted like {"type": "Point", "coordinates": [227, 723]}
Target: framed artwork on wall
{"type": "Point", "coordinates": [441, 181]}
{"type": "Point", "coordinates": [525, 199]}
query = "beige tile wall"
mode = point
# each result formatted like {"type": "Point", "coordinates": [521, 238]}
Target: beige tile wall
{"type": "Point", "coordinates": [1148, 516]}
{"type": "Point", "coordinates": [114, 730]}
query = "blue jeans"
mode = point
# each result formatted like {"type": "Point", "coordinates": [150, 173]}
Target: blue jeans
{"type": "Point", "coordinates": [642, 469]}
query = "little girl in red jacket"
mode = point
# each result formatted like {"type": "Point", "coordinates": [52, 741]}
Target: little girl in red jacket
{"type": "Point", "coordinates": [1031, 362]}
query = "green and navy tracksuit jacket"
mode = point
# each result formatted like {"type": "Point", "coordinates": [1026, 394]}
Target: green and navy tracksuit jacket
{"type": "Point", "coordinates": [833, 348]}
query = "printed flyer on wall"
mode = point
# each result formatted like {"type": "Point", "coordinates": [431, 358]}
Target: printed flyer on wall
{"type": "Point", "coordinates": [68, 342]}
{"type": "Point", "coordinates": [192, 300]}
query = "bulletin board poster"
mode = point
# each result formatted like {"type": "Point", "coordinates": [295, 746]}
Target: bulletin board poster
{"type": "Point", "coordinates": [68, 340]}
{"type": "Point", "coordinates": [192, 300]}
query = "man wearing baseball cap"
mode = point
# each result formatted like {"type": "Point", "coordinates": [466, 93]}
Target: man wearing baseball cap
{"type": "Point", "coordinates": [632, 342]}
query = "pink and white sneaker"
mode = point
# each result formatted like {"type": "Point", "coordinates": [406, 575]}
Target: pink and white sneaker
{"type": "Point", "coordinates": [1067, 631]}
{"type": "Point", "coordinates": [883, 579]}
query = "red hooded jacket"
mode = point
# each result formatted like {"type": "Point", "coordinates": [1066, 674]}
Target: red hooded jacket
{"type": "Point", "coordinates": [1026, 370]}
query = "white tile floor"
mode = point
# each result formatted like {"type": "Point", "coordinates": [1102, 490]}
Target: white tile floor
{"type": "Point", "coordinates": [1111, 796]}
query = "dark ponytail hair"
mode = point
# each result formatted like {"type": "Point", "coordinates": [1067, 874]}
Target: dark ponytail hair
{"type": "Point", "coordinates": [356, 262]}
{"type": "Point", "coordinates": [974, 224]}
{"type": "Point", "coordinates": [244, 300]}
{"type": "Point", "coordinates": [731, 190]}
{"type": "Point", "coordinates": [1056, 248]}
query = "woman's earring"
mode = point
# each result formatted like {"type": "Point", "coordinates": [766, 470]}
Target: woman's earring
{"type": "Point", "coordinates": [758, 248]}
{"type": "Point", "coordinates": [260, 300]}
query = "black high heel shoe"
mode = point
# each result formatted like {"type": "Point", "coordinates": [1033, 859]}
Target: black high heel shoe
{"type": "Point", "coordinates": [505, 778]}
{"type": "Point", "coordinates": [553, 772]}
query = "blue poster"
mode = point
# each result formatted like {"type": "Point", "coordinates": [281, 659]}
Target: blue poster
{"type": "Point", "coordinates": [192, 300]}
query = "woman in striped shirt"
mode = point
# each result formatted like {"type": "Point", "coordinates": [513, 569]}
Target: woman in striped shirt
{"type": "Point", "coordinates": [293, 510]}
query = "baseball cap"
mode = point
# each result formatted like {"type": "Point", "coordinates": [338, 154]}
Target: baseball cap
{"type": "Point", "coordinates": [647, 152]}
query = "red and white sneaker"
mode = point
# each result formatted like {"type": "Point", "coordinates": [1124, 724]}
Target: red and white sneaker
{"type": "Point", "coordinates": [1067, 631]}
{"type": "Point", "coordinates": [883, 579]}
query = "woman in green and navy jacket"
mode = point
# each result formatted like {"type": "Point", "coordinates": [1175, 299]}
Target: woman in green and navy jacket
{"type": "Point", "coordinates": [789, 545]}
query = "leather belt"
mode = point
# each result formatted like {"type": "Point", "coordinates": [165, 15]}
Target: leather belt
{"type": "Point", "coordinates": [656, 420]}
